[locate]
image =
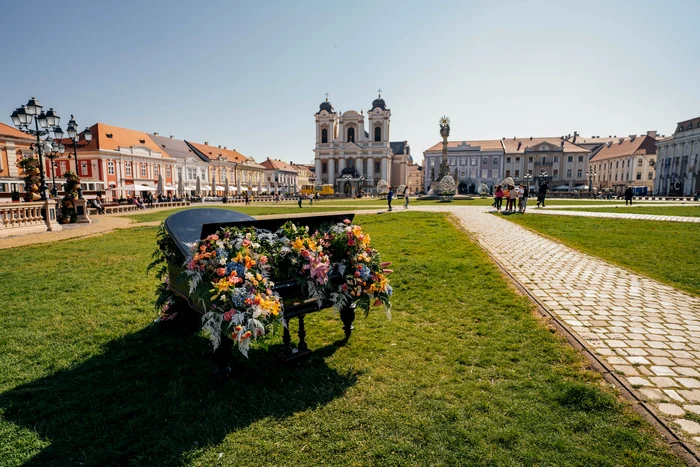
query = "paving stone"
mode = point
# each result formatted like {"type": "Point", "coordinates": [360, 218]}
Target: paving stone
{"type": "Point", "coordinates": [689, 426]}
{"type": "Point", "coordinates": [662, 371]}
{"type": "Point", "coordinates": [663, 382]}
{"type": "Point", "coordinates": [671, 409]}
{"type": "Point", "coordinates": [692, 408]}
{"type": "Point", "coordinates": [690, 383]}
{"type": "Point", "coordinates": [653, 394]}
{"type": "Point", "coordinates": [674, 395]}
{"type": "Point", "coordinates": [636, 381]}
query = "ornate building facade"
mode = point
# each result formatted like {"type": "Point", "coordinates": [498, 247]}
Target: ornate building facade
{"type": "Point", "coordinates": [353, 159]}
{"type": "Point", "coordinates": [678, 167]}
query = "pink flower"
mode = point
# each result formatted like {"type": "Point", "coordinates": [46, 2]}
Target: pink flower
{"type": "Point", "coordinates": [221, 272]}
{"type": "Point", "coordinates": [305, 253]}
{"type": "Point", "coordinates": [319, 271]}
{"type": "Point", "coordinates": [263, 259]}
{"type": "Point", "coordinates": [246, 242]}
{"type": "Point", "coordinates": [228, 316]}
{"type": "Point", "coordinates": [346, 222]}
{"type": "Point", "coordinates": [357, 273]}
{"type": "Point", "coordinates": [351, 242]}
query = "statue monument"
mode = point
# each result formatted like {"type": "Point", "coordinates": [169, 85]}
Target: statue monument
{"type": "Point", "coordinates": [445, 133]}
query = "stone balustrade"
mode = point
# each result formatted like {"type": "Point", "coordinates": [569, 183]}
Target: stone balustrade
{"type": "Point", "coordinates": [25, 218]}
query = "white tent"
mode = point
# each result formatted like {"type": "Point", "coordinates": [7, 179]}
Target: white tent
{"type": "Point", "coordinates": [134, 187]}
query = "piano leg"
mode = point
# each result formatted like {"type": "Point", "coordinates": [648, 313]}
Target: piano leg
{"type": "Point", "coordinates": [302, 335]}
{"type": "Point", "coordinates": [347, 316]}
{"type": "Point", "coordinates": [286, 339]}
{"type": "Point", "coordinates": [222, 358]}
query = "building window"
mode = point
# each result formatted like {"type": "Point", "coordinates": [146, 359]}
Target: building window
{"type": "Point", "coordinates": [495, 161]}
{"type": "Point", "coordinates": [83, 168]}
{"type": "Point", "coordinates": [555, 173]}
{"type": "Point", "coordinates": [507, 173]}
{"type": "Point", "coordinates": [351, 135]}
{"type": "Point", "coordinates": [484, 160]}
{"type": "Point", "coordinates": [494, 173]}
{"type": "Point", "coordinates": [464, 161]}
{"type": "Point", "coordinates": [580, 158]}
{"type": "Point", "coordinates": [507, 160]}
{"type": "Point", "coordinates": [179, 173]}
{"type": "Point", "coordinates": [378, 134]}
{"type": "Point", "coordinates": [639, 175]}
{"type": "Point", "coordinates": [168, 173]}
{"type": "Point", "coordinates": [324, 135]}
{"type": "Point", "coordinates": [615, 176]}
{"type": "Point", "coordinates": [453, 160]}
{"type": "Point", "coordinates": [617, 164]}
{"type": "Point", "coordinates": [556, 159]}
{"type": "Point", "coordinates": [639, 163]}
{"type": "Point", "coordinates": [63, 166]}
{"type": "Point", "coordinates": [570, 159]}
{"type": "Point", "coordinates": [484, 173]}
{"type": "Point", "coordinates": [156, 170]}
{"type": "Point", "coordinates": [474, 161]}
{"type": "Point", "coordinates": [517, 173]}
{"type": "Point", "coordinates": [110, 167]}
{"type": "Point", "coordinates": [568, 173]}
{"type": "Point", "coordinates": [517, 160]}
{"type": "Point", "coordinates": [473, 172]}
{"type": "Point", "coordinates": [143, 170]}
{"type": "Point", "coordinates": [579, 173]}
{"type": "Point", "coordinates": [529, 159]}
{"type": "Point", "coordinates": [651, 161]}
{"type": "Point", "coordinates": [127, 168]}
{"type": "Point", "coordinates": [651, 176]}
{"type": "Point", "coordinates": [377, 168]}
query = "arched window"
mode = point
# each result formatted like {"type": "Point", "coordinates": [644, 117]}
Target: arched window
{"type": "Point", "coordinates": [351, 135]}
{"type": "Point", "coordinates": [377, 133]}
{"type": "Point", "coordinates": [324, 135]}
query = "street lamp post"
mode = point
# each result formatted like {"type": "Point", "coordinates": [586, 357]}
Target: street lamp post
{"type": "Point", "coordinates": [528, 177]}
{"type": "Point", "coordinates": [48, 121]}
{"type": "Point", "coordinates": [73, 134]}
{"type": "Point", "coordinates": [591, 174]}
{"type": "Point", "coordinates": [53, 150]}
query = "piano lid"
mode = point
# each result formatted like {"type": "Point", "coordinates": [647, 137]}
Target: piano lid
{"type": "Point", "coordinates": [185, 227]}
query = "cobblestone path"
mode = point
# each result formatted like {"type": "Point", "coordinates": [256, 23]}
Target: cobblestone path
{"type": "Point", "coordinates": [646, 331]}
{"type": "Point", "coordinates": [615, 215]}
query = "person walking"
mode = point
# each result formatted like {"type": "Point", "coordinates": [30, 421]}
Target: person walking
{"type": "Point", "coordinates": [405, 198]}
{"type": "Point", "coordinates": [498, 197]}
{"type": "Point", "coordinates": [513, 193]}
{"type": "Point", "coordinates": [311, 199]}
{"type": "Point", "coordinates": [390, 196]}
{"type": "Point", "coordinates": [629, 193]}
{"type": "Point", "coordinates": [523, 200]}
{"type": "Point", "coordinates": [542, 194]}
{"type": "Point", "coordinates": [300, 199]}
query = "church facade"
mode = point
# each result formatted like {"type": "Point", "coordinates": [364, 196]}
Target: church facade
{"type": "Point", "coordinates": [353, 159]}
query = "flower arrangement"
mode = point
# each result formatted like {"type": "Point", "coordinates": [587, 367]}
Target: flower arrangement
{"type": "Point", "coordinates": [31, 175]}
{"type": "Point", "coordinates": [233, 273]}
{"type": "Point", "coordinates": [67, 213]}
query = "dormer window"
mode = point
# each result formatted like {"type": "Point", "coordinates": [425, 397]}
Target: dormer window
{"type": "Point", "coordinates": [109, 135]}
{"type": "Point", "coordinates": [142, 141]}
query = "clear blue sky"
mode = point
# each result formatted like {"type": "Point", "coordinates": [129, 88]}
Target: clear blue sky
{"type": "Point", "coordinates": [250, 75]}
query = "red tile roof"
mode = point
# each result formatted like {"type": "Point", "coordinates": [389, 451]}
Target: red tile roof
{"type": "Point", "coordinates": [109, 137]}
{"type": "Point", "coordinates": [213, 152]}
{"type": "Point", "coordinates": [7, 130]}
{"type": "Point", "coordinates": [279, 165]}
{"type": "Point", "coordinates": [641, 145]}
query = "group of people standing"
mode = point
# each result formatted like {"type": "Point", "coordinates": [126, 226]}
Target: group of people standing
{"type": "Point", "coordinates": [516, 198]}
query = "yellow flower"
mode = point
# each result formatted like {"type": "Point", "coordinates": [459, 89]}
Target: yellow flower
{"type": "Point", "coordinates": [298, 244]}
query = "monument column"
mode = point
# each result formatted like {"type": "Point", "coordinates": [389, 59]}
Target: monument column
{"type": "Point", "coordinates": [331, 172]}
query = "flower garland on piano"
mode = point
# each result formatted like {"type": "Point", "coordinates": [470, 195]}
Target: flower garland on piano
{"type": "Point", "coordinates": [232, 273]}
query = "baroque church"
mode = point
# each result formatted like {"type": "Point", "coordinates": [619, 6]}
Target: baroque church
{"type": "Point", "coordinates": [352, 159]}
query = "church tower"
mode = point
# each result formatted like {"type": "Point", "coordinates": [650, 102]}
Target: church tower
{"type": "Point", "coordinates": [326, 138]}
{"type": "Point", "coordinates": [379, 118]}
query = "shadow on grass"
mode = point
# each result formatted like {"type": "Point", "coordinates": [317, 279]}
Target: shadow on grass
{"type": "Point", "coordinates": [150, 398]}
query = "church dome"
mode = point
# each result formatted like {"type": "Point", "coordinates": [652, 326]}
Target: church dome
{"type": "Point", "coordinates": [325, 105]}
{"type": "Point", "coordinates": [379, 102]}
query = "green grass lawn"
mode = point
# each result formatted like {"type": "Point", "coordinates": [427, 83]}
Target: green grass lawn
{"type": "Point", "coordinates": [689, 211]}
{"type": "Point", "coordinates": [254, 210]}
{"type": "Point", "coordinates": [464, 373]}
{"type": "Point", "coordinates": [665, 251]}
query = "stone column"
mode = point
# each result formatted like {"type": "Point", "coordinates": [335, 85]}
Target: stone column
{"type": "Point", "coordinates": [384, 168]}
{"type": "Point", "coordinates": [331, 172]}
{"type": "Point", "coordinates": [358, 166]}
{"type": "Point", "coordinates": [81, 210]}
{"type": "Point", "coordinates": [370, 168]}
{"type": "Point", "coordinates": [341, 164]}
